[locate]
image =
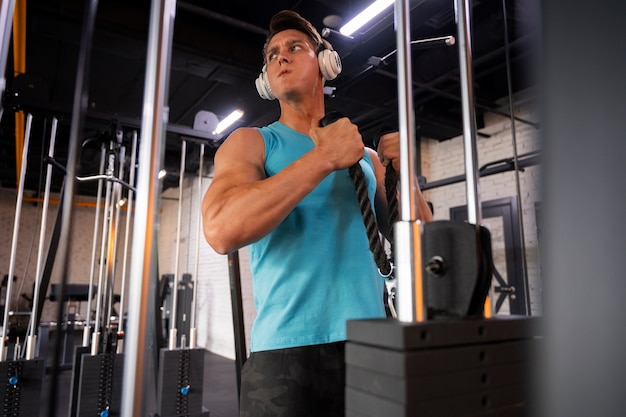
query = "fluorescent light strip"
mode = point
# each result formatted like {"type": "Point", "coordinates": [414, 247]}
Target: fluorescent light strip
{"type": "Point", "coordinates": [229, 120]}
{"type": "Point", "coordinates": [365, 16]}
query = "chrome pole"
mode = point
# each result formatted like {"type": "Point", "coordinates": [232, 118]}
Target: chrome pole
{"type": "Point", "coordinates": [472, 173]}
{"type": "Point", "coordinates": [407, 231]}
{"type": "Point", "coordinates": [192, 324]}
{"type": "Point", "coordinates": [87, 328]}
{"type": "Point", "coordinates": [129, 210]}
{"type": "Point", "coordinates": [153, 130]}
{"type": "Point", "coordinates": [462, 13]}
{"type": "Point", "coordinates": [112, 257]}
{"type": "Point", "coordinates": [174, 310]}
{"type": "Point", "coordinates": [32, 337]}
{"type": "Point", "coordinates": [104, 259]}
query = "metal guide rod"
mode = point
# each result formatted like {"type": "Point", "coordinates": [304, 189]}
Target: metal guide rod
{"type": "Point", "coordinates": [407, 231]}
{"type": "Point", "coordinates": [129, 210]}
{"type": "Point", "coordinates": [112, 257]}
{"type": "Point", "coordinates": [174, 310]}
{"type": "Point", "coordinates": [32, 338]}
{"type": "Point", "coordinates": [16, 229]}
{"type": "Point", "coordinates": [192, 323]}
{"type": "Point", "coordinates": [7, 8]}
{"type": "Point", "coordinates": [472, 174]}
{"type": "Point", "coordinates": [462, 11]}
{"type": "Point", "coordinates": [95, 338]}
{"type": "Point", "coordinates": [155, 116]}
{"type": "Point", "coordinates": [87, 328]}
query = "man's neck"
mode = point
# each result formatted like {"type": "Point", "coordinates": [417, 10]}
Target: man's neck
{"type": "Point", "coordinates": [299, 114]}
{"type": "Point", "coordinates": [300, 121]}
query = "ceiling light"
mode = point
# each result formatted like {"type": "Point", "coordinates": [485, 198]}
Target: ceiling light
{"type": "Point", "coordinates": [365, 16]}
{"type": "Point", "coordinates": [162, 173]}
{"type": "Point", "coordinates": [229, 120]}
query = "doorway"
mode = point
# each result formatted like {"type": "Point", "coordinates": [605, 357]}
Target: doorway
{"type": "Point", "coordinates": [509, 287]}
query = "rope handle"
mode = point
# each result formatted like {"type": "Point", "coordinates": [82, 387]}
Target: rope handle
{"type": "Point", "coordinates": [385, 268]}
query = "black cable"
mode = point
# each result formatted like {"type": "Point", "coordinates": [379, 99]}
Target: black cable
{"type": "Point", "coordinates": [515, 158]}
{"type": "Point", "coordinates": [78, 111]}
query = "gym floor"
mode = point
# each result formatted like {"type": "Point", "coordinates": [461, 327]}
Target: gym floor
{"type": "Point", "coordinates": [220, 388]}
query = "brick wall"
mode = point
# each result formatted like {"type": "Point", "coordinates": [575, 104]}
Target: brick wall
{"type": "Point", "coordinates": [442, 160]}
{"type": "Point", "coordinates": [80, 248]}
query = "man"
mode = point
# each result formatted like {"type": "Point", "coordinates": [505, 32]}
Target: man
{"type": "Point", "coordinates": [284, 189]}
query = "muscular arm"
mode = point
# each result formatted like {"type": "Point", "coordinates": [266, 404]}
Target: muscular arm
{"type": "Point", "coordinates": [389, 153]}
{"type": "Point", "coordinates": [242, 204]}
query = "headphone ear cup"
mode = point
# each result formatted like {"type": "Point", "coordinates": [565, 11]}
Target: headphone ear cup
{"type": "Point", "coordinates": [263, 86]}
{"type": "Point", "coordinates": [330, 63]}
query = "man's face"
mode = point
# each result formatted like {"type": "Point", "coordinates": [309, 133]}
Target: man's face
{"type": "Point", "coordinates": [292, 65]}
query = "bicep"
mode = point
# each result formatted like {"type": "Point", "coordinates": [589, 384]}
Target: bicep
{"type": "Point", "coordinates": [238, 161]}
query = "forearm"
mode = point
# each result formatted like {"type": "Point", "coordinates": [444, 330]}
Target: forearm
{"type": "Point", "coordinates": [423, 210]}
{"type": "Point", "coordinates": [234, 216]}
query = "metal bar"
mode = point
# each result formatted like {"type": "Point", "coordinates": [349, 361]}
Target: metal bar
{"type": "Point", "coordinates": [474, 208]}
{"type": "Point", "coordinates": [129, 211]}
{"type": "Point", "coordinates": [462, 12]}
{"type": "Point", "coordinates": [524, 160]}
{"type": "Point", "coordinates": [170, 128]}
{"type": "Point", "coordinates": [419, 85]}
{"type": "Point", "coordinates": [112, 258]}
{"type": "Point", "coordinates": [16, 229]}
{"type": "Point", "coordinates": [155, 115]}
{"type": "Point", "coordinates": [223, 19]}
{"type": "Point", "coordinates": [421, 44]}
{"type": "Point", "coordinates": [106, 177]}
{"type": "Point", "coordinates": [106, 220]}
{"type": "Point", "coordinates": [193, 331]}
{"type": "Point", "coordinates": [32, 338]}
{"type": "Point", "coordinates": [407, 231]}
{"type": "Point", "coordinates": [174, 311]}
{"type": "Point", "coordinates": [87, 328]}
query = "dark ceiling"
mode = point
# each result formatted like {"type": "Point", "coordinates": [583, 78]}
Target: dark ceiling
{"type": "Point", "coordinates": [217, 56]}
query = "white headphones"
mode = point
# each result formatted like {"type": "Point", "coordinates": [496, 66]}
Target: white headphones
{"type": "Point", "coordinates": [328, 60]}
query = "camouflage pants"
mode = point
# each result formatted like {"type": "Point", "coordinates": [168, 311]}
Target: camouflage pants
{"type": "Point", "coordinates": [297, 382]}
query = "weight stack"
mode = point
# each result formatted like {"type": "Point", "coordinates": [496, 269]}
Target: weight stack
{"type": "Point", "coordinates": [180, 383]}
{"type": "Point", "coordinates": [453, 367]}
{"type": "Point", "coordinates": [100, 385]}
{"type": "Point", "coordinates": [20, 392]}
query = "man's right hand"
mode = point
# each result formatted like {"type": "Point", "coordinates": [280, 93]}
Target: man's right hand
{"type": "Point", "coordinates": [340, 142]}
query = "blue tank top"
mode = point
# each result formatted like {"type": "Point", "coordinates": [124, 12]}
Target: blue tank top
{"type": "Point", "coordinates": [314, 271]}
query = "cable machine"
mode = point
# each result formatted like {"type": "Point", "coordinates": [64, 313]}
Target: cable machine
{"type": "Point", "coordinates": [435, 354]}
{"type": "Point", "coordinates": [99, 364]}
{"type": "Point", "coordinates": [180, 381]}
{"type": "Point", "coordinates": [116, 356]}
{"type": "Point", "coordinates": [21, 378]}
